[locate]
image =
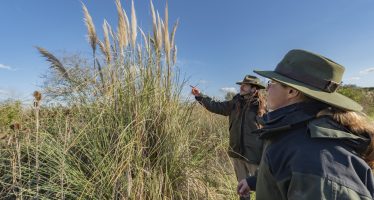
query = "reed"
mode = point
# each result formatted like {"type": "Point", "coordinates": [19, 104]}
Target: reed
{"type": "Point", "coordinates": [123, 27]}
{"type": "Point", "coordinates": [55, 63]}
{"type": "Point", "coordinates": [134, 25]}
{"type": "Point", "coordinates": [137, 139]}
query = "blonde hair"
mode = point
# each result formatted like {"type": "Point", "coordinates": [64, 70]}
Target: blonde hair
{"type": "Point", "coordinates": [261, 103]}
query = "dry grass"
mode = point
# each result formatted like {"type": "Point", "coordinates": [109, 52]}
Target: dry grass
{"type": "Point", "coordinates": [134, 25]}
{"type": "Point", "coordinates": [55, 63]}
{"type": "Point", "coordinates": [92, 37]}
{"type": "Point", "coordinates": [123, 26]}
{"type": "Point", "coordinates": [105, 46]}
{"type": "Point", "coordinates": [128, 137]}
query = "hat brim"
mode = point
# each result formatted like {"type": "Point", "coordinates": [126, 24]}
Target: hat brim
{"type": "Point", "coordinates": [258, 85]}
{"type": "Point", "coordinates": [334, 99]}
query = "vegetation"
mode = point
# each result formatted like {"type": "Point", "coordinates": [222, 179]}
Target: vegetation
{"type": "Point", "coordinates": [115, 128]}
{"type": "Point", "coordinates": [229, 96]}
{"type": "Point", "coordinates": [10, 113]}
{"type": "Point", "coordinates": [365, 96]}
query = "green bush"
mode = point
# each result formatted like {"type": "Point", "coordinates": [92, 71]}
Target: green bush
{"type": "Point", "coordinates": [363, 96]}
{"type": "Point", "coordinates": [10, 112]}
{"type": "Point", "coordinates": [352, 92]}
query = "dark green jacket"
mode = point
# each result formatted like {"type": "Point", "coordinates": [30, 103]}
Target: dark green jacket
{"type": "Point", "coordinates": [243, 120]}
{"type": "Point", "coordinates": [311, 158]}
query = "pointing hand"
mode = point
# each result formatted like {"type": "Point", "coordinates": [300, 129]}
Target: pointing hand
{"type": "Point", "coordinates": [195, 91]}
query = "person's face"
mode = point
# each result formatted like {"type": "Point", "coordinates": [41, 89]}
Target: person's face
{"type": "Point", "coordinates": [277, 95]}
{"type": "Point", "coordinates": [245, 89]}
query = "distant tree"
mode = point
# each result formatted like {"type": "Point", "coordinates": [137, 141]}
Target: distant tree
{"type": "Point", "coordinates": [229, 95]}
{"type": "Point", "coordinates": [71, 77]}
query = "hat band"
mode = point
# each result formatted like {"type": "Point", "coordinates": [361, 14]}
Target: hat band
{"type": "Point", "coordinates": [250, 82]}
{"type": "Point", "coordinates": [325, 85]}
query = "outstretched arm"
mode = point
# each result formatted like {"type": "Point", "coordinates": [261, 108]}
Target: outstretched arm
{"type": "Point", "coordinates": [222, 108]}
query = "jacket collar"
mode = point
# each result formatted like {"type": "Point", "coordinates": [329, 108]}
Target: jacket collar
{"type": "Point", "coordinates": [288, 117]}
{"type": "Point", "coordinates": [247, 99]}
{"type": "Point", "coordinates": [292, 114]}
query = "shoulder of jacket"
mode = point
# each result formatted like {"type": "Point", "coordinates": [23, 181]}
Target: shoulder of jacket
{"type": "Point", "coordinates": [325, 127]}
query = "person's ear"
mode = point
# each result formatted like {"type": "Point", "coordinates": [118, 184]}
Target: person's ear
{"type": "Point", "coordinates": [292, 93]}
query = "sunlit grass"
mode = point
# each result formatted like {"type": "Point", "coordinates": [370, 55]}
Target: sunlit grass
{"type": "Point", "coordinates": [121, 129]}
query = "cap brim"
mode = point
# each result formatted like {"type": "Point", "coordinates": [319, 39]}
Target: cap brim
{"type": "Point", "coordinates": [335, 99]}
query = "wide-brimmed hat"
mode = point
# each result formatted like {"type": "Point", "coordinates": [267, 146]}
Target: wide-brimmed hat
{"type": "Point", "coordinates": [251, 80]}
{"type": "Point", "coordinates": [314, 75]}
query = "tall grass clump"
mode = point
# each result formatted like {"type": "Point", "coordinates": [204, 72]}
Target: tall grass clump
{"type": "Point", "coordinates": [117, 128]}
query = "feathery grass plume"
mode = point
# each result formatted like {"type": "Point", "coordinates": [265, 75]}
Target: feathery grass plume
{"type": "Point", "coordinates": [123, 28]}
{"type": "Point", "coordinates": [154, 23]}
{"type": "Point", "coordinates": [162, 29]}
{"type": "Point", "coordinates": [55, 63]}
{"type": "Point", "coordinates": [166, 36]}
{"type": "Point", "coordinates": [90, 28]}
{"type": "Point", "coordinates": [173, 33]}
{"type": "Point", "coordinates": [134, 24]}
{"type": "Point", "coordinates": [145, 40]}
{"type": "Point", "coordinates": [105, 46]}
{"type": "Point", "coordinates": [115, 39]}
{"type": "Point", "coordinates": [127, 24]}
{"type": "Point", "coordinates": [159, 32]}
{"type": "Point", "coordinates": [175, 51]}
{"type": "Point", "coordinates": [104, 51]}
{"type": "Point", "coordinates": [92, 37]}
{"type": "Point", "coordinates": [139, 49]}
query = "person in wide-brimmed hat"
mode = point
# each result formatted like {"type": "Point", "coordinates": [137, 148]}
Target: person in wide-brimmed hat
{"type": "Point", "coordinates": [318, 145]}
{"type": "Point", "coordinates": [251, 81]}
{"type": "Point", "coordinates": [245, 148]}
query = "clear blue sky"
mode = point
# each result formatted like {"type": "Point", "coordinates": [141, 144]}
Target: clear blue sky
{"type": "Point", "coordinates": [218, 41]}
